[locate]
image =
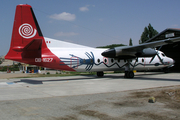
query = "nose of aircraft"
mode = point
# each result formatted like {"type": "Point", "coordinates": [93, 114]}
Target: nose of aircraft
{"type": "Point", "coordinates": [172, 62]}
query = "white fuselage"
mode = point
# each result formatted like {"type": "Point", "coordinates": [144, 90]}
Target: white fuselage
{"type": "Point", "coordinates": [82, 58]}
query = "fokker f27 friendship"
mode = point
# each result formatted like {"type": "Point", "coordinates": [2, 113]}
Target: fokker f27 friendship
{"type": "Point", "coordinates": [28, 45]}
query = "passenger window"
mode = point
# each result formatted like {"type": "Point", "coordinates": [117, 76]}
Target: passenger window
{"type": "Point", "coordinates": [98, 60]}
{"type": "Point", "coordinates": [105, 60]}
{"type": "Point", "coordinates": [112, 60]}
{"type": "Point", "coordinates": [142, 60]}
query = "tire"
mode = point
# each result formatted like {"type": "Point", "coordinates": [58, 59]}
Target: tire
{"type": "Point", "coordinates": [100, 74]}
{"type": "Point", "coordinates": [126, 74]}
{"type": "Point", "coordinates": [130, 74]}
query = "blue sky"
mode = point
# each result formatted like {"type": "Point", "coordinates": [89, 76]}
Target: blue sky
{"type": "Point", "coordinates": [93, 22]}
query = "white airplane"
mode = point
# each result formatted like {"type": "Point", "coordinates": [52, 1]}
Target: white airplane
{"type": "Point", "coordinates": [28, 45]}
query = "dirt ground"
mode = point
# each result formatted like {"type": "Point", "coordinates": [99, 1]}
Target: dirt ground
{"type": "Point", "coordinates": [167, 104]}
{"type": "Point", "coordinates": [134, 106]}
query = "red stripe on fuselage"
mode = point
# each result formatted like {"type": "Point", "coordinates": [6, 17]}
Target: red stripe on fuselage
{"type": "Point", "coordinates": [52, 61]}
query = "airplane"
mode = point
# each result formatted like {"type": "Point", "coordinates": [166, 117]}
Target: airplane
{"type": "Point", "coordinates": [28, 45]}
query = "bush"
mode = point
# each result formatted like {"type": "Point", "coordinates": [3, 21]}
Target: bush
{"type": "Point", "coordinates": [12, 68]}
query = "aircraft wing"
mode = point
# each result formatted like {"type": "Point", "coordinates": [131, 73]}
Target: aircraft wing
{"type": "Point", "coordinates": [142, 50]}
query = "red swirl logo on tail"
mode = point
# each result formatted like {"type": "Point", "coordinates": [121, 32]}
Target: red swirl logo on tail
{"type": "Point", "coordinates": [27, 31]}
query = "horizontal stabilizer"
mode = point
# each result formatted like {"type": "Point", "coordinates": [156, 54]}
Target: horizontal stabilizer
{"type": "Point", "coordinates": [34, 45]}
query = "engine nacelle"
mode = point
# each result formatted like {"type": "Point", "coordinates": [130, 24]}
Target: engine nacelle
{"type": "Point", "coordinates": [147, 52]}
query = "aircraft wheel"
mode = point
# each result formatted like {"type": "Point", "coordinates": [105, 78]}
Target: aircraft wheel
{"type": "Point", "coordinates": [100, 74]}
{"type": "Point", "coordinates": [126, 75]}
{"type": "Point", "coordinates": [130, 74]}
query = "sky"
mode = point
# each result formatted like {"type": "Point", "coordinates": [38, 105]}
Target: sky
{"type": "Point", "coordinates": [92, 22]}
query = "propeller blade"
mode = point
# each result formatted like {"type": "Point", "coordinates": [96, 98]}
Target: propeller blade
{"type": "Point", "coordinates": [160, 59]}
{"type": "Point", "coordinates": [160, 48]}
{"type": "Point", "coordinates": [152, 58]}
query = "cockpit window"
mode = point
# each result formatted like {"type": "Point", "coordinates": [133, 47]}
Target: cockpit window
{"type": "Point", "coordinates": [163, 54]}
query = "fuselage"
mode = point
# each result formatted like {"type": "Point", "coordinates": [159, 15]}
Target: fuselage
{"type": "Point", "coordinates": [81, 59]}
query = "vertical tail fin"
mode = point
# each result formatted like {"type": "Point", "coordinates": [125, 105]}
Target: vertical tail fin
{"type": "Point", "coordinates": [26, 31]}
{"type": "Point", "coordinates": [28, 44]}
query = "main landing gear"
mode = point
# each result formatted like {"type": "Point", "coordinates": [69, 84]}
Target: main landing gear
{"type": "Point", "coordinates": [128, 71]}
{"type": "Point", "coordinates": [100, 74]}
{"type": "Point", "coordinates": [129, 74]}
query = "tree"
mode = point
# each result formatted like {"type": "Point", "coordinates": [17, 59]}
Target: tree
{"type": "Point", "coordinates": [152, 31]}
{"type": "Point", "coordinates": [145, 35]}
{"type": "Point", "coordinates": [130, 42]}
{"type": "Point", "coordinates": [148, 33]}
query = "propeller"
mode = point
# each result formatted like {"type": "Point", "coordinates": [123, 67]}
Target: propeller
{"type": "Point", "coordinates": [152, 58]}
{"type": "Point", "coordinates": [161, 60]}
